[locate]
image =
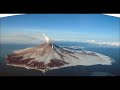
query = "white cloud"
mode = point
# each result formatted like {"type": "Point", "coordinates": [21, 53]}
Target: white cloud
{"type": "Point", "coordinates": [91, 41]}
{"type": "Point", "coordinates": [115, 15]}
{"type": "Point", "coordinates": [6, 15]}
{"type": "Point", "coordinates": [103, 43]}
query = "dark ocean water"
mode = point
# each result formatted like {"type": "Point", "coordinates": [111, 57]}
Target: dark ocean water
{"type": "Point", "coordinates": [95, 70]}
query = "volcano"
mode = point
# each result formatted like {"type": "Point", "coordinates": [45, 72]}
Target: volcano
{"type": "Point", "coordinates": [48, 56]}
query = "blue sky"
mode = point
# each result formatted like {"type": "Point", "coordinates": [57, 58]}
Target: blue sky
{"type": "Point", "coordinates": [64, 26]}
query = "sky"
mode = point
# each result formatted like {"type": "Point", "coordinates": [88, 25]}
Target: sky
{"type": "Point", "coordinates": [71, 27]}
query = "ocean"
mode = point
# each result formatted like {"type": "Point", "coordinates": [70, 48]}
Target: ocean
{"type": "Point", "coordinates": [94, 70]}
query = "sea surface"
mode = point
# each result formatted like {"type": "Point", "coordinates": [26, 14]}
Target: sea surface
{"type": "Point", "coordinates": [94, 70]}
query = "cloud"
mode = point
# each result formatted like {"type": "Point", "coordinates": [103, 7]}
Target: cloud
{"type": "Point", "coordinates": [115, 15]}
{"type": "Point", "coordinates": [21, 37]}
{"type": "Point", "coordinates": [103, 43]}
{"type": "Point", "coordinates": [30, 37]}
{"type": "Point", "coordinates": [6, 15]}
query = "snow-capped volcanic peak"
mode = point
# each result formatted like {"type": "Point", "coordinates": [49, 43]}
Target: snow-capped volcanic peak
{"type": "Point", "coordinates": [50, 56]}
